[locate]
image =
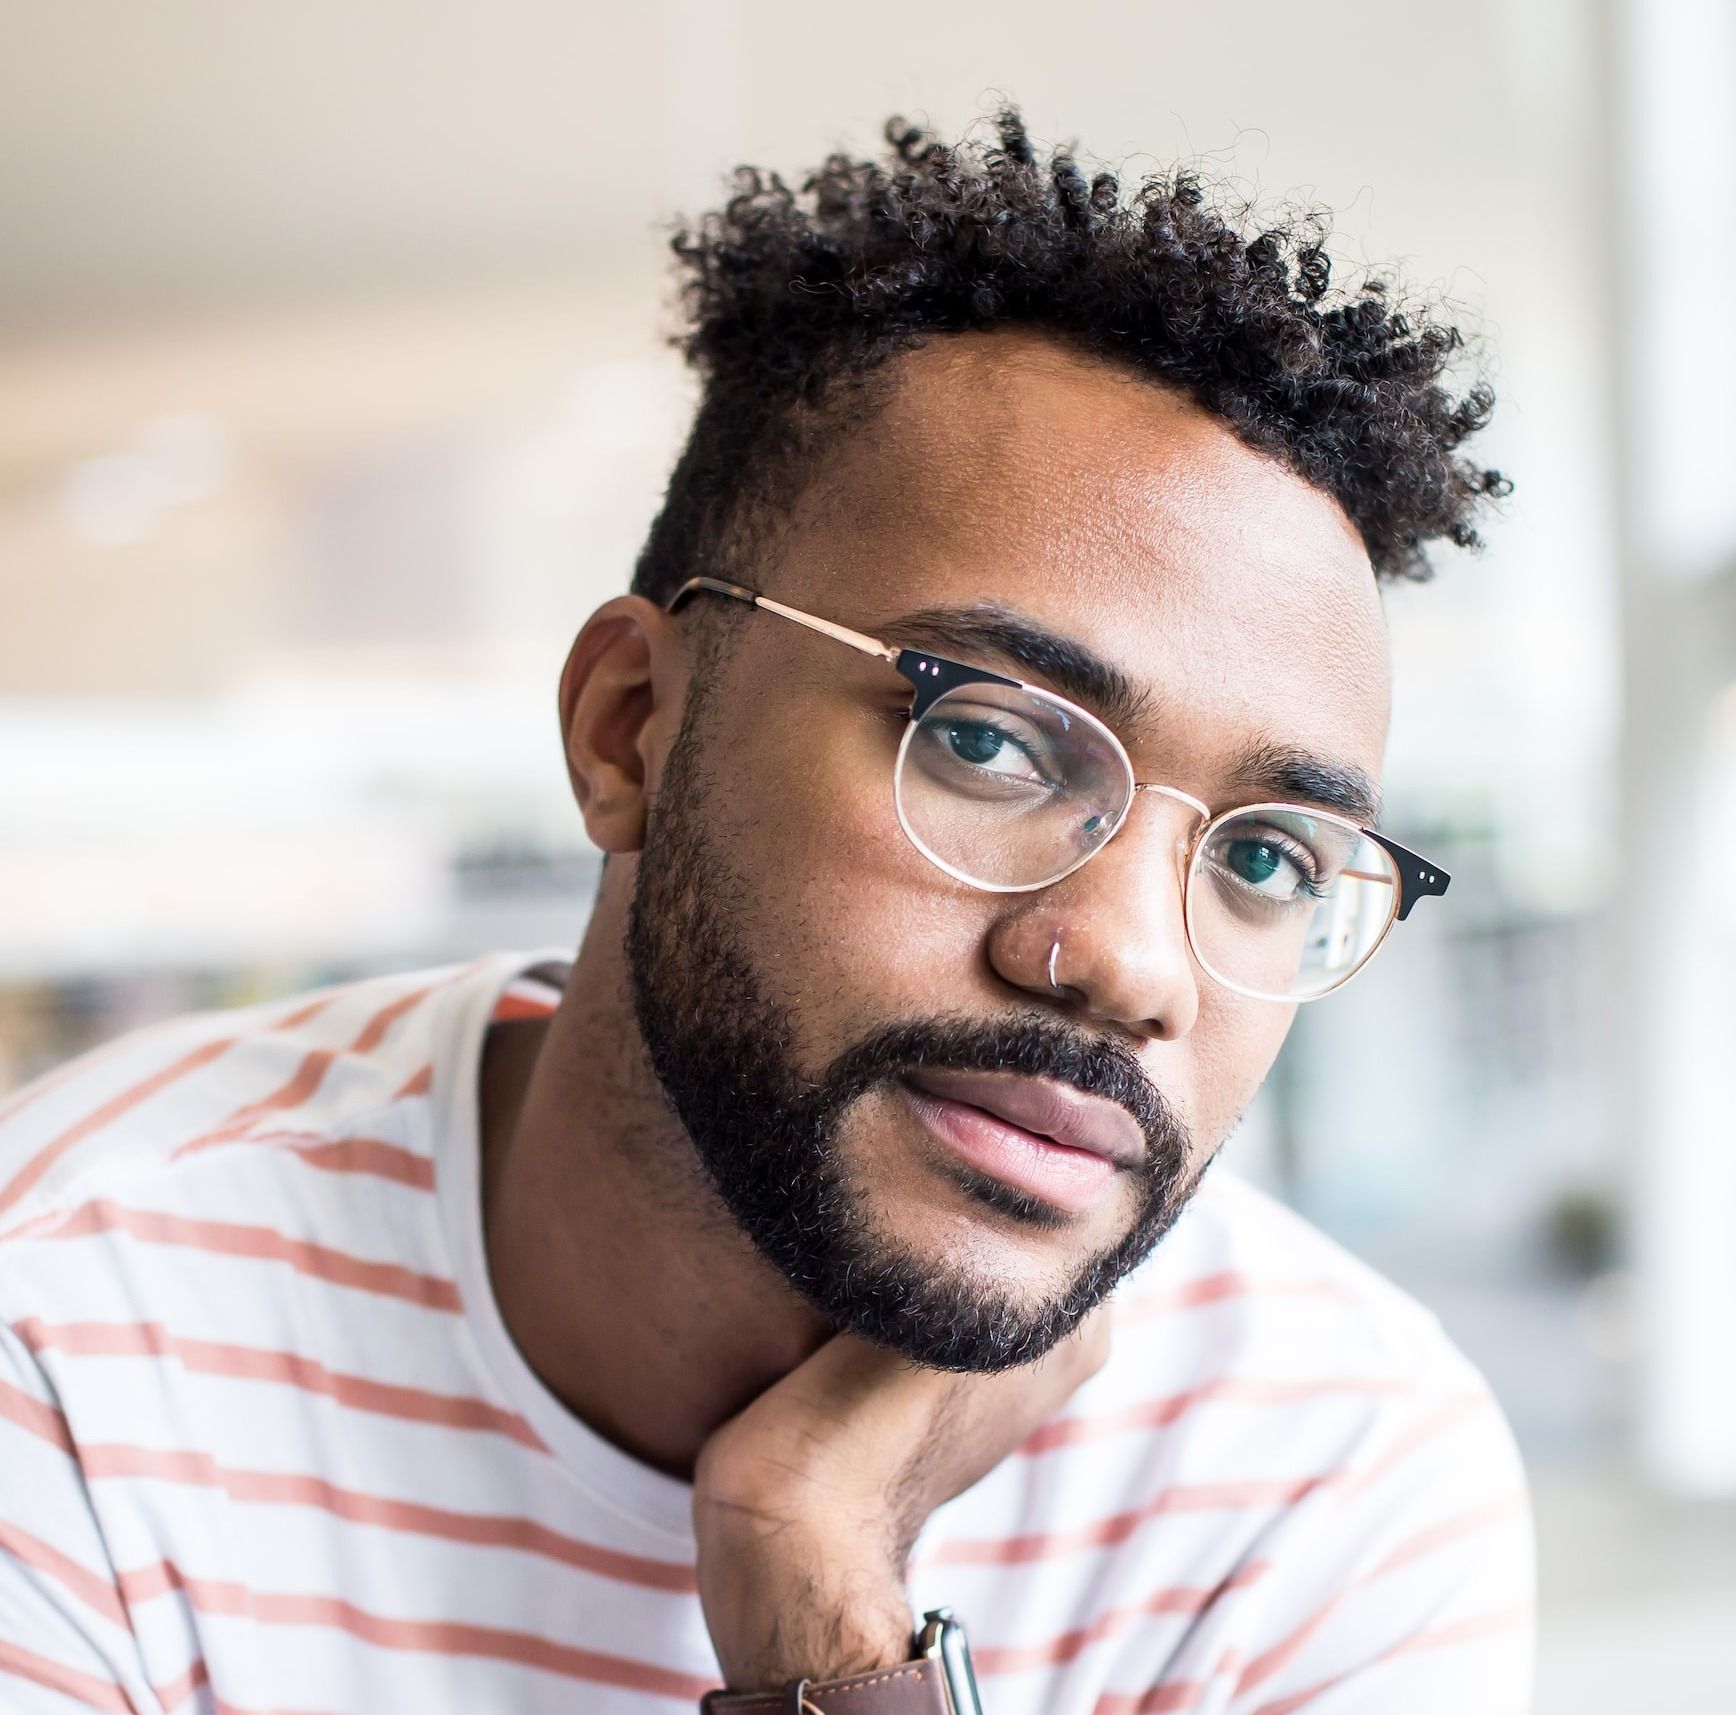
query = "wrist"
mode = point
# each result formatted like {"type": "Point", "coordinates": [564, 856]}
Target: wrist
{"type": "Point", "coordinates": [785, 1600]}
{"type": "Point", "coordinates": [937, 1680]}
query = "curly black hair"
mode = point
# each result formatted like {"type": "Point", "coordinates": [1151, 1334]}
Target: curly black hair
{"type": "Point", "coordinates": [794, 297]}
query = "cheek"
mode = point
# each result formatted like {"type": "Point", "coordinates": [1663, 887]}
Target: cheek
{"type": "Point", "coordinates": [850, 926]}
{"type": "Point", "coordinates": [1232, 1046]}
{"type": "Point", "coordinates": [850, 923]}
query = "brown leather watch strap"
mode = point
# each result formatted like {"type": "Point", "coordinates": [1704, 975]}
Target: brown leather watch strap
{"type": "Point", "coordinates": [913, 1688]}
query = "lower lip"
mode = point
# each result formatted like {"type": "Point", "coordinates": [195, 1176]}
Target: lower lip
{"type": "Point", "coordinates": [1066, 1178]}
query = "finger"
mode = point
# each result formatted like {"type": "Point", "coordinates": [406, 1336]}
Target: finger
{"type": "Point", "coordinates": [849, 1381]}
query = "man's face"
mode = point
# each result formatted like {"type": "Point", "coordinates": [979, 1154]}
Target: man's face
{"type": "Point", "coordinates": [796, 961]}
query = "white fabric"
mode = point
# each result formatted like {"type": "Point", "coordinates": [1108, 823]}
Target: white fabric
{"type": "Point", "coordinates": [265, 1443]}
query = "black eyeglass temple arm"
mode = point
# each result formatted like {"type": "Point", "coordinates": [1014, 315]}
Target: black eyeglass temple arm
{"type": "Point", "coordinates": [1417, 876]}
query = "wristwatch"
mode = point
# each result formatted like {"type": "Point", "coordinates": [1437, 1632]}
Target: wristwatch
{"type": "Point", "coordinates": [942, 1641]}
{"type": "Point", "coordinates": [938, 1681]}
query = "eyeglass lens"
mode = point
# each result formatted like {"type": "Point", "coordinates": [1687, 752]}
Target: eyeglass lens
{"type": "Point", "coordinates": [1288, 905]}
{"type": "Point", "coordinates": [1007, 788]}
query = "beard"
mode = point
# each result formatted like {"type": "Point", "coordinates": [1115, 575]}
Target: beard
{"type": "Point", "coordinates": [767, 1136]}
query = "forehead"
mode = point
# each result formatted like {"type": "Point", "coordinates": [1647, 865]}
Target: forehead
{"type": "Point", "coordinates": [1009, 469]}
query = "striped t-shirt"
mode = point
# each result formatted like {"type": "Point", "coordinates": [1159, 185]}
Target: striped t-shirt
{"type": "Point", "coordinates": [266, 1444]}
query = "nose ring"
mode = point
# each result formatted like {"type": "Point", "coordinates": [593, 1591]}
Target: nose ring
{"type": "Point", "coordinates": [1054, 949]}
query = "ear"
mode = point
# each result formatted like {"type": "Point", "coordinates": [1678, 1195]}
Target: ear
{"type": "Point", "coordinates": [620, 705]}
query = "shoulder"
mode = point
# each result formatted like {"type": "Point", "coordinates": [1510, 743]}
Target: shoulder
{"type": "Point", "coordinates": [136, 1110]}
{"type": "Point", "coordinates": [1278, 1354]}
{"type": "Point", "coordinates": [1253, 1345]}
{"type": "Point", "coordinates": [1397, 1554]}
{"type": "Point", "coordinates": [1241, 1272]}
{"type": "Point", "coordinates": [1278, 1419]}
{"type": "Point", "coordinates": [1286, 1472]}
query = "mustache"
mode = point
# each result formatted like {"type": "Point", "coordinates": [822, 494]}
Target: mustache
{"type": "Point", "coordinates": [1036, 1048]}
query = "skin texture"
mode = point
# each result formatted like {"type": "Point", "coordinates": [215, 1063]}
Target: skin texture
{"type": "Point", "coordinates": [1004, 467]}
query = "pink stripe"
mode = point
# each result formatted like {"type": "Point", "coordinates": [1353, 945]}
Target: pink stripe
{"type": "Point", "coordinates": [308, 1011]}
{"type": "Point", "coordinates": [369, 1155]}
{"type": "Point", "coordinates": [1502, 1510]}
{"type": "Point", "coordinates": [1181, 1599]}
{"type": "Point", "coordinates": [1197, 1497]}
{"type": "Point", "coordinates": [35, 1415]}
{"type": "Point", "coordinates": [275, 1488]}
{"type": "Point", "coordinates": [184, 1684]}
{"type": "Point", "coordinates": [252, 1363]}
{"type": "Point", "coordinates": [1169, 1698]}
{"type": "Point", "coordinates": [111, 1110]}
{"type": "Point", "coordinates": [419, 1083]}
{"type": "Point", "coordinates": [1452, 1411]}
{"type": "Point", "coordinates": [96, 1592]}
{"type": "Point", "coordinates": [512, 1007]}
{"type": "Point", "coordinates": [427, 1637]}
{"type": "Point", "coordinates": [374, 1031]}
{"type": "Point", "coordinates": [304, 1083]}
{"type": "Point", "coordinates": [1165, 1699]}
{"type": "Point", "coordinates": [45, 1222]}
{"type": "Point", "coordinates": [49, 1082]}
{"type": "Point", "coordinates": [373, 1157]}
{"type": "Point", "coordinates": [226, 1238]}
{"type": "Point", "coordinates": [1412, 1548]}
{"type": "Point", "coordinates": [1182, 1497]}
{"type": "Point", "coordinates": [1229, 1283]}
{"type": "Point", "coordinates": [1158, 1413]}
{"type": "Point", "coordinates": [89, 1062]}
{"type": "Point", "coordinates": [83, 1688]}
{"type": "Point", "coordinates": [365, 1155]}
{"type": "Point", "coordinates": [1473, 1630]}
{"type": "Point", "coordinates": [180, 1688]}
{"type": "Point", "coordinates": [221, 1706]}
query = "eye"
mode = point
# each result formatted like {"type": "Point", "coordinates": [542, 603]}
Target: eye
{"type": "Point", "coordinates": [1269, 864]}
{"type": "Point", "coordinates": [983, 745]}
{"type": "Point", "coordinates": [998, 747]}
{"type": "Point", "coordinates": [993, 748]}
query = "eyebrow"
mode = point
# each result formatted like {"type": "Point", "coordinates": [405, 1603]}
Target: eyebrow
{"type": "Point", "coordinates": [1265, 770]}
{"type": "Point", "coordinates": [987, 629]}
{"type": "Point", "coordinates": [1283, 772]}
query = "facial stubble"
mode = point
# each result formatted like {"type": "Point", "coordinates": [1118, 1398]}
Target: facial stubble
{"type": "Point", "coordinates": [768, 1137]}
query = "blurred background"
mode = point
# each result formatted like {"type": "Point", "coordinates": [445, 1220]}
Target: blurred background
{"type": "Point", "coordinates": [334, 395]}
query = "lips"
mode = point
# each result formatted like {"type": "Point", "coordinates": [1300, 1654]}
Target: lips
{"type": "Point", "coordinates": [1046, 1139]}
{"type": "Point", "coordinates": [1046, 1109]}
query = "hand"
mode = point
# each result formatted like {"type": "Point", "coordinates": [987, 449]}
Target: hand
{"type": "Point", "coordinates": [805, 1505]}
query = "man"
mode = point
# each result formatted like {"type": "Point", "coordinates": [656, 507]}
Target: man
{"type": "Point", "coordinates": [985, 763]}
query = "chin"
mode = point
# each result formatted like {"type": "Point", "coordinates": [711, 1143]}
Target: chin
{"type": "Point", "coordinates": [1027, 1258]}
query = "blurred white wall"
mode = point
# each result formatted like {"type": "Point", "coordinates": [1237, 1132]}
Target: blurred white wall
{"type": "Point", "coordinates": [394, 275]}
{"type": "Point", "coordinates": [1674, 106]}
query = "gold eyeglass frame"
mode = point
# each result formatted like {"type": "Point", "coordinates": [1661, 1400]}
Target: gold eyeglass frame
{"type": "Point", "coordinates": [933, 676]}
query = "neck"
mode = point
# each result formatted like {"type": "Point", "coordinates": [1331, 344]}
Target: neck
{"type": "Point", "coordinates": [620, 1275]}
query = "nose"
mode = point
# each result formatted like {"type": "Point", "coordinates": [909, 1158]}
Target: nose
{"type": "Point", "coordinates": [1123, 957]}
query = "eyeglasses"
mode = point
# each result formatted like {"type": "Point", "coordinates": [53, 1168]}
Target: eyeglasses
{"type": "Point", "coordinates": [1008, 787]}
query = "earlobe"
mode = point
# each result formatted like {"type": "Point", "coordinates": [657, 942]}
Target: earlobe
{"type": "Point", "coordinates": [613, 696]}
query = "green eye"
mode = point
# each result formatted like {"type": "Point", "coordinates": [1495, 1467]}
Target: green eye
{"type": "Point", "coordinates": [974, 742]}
{"type": "Point", "coordinates": [1255, 862]}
